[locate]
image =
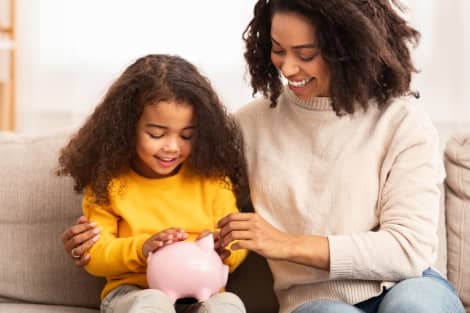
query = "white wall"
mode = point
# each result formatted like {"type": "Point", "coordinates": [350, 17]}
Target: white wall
{"type": "Point", "coordinates": [70, 51]}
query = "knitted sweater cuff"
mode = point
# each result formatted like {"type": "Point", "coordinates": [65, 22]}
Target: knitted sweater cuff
{"type": "Point", "coordinates": [341, 263]}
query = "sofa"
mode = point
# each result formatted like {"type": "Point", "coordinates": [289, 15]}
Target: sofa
{"type": "Point", "coordinates": [36, 275]}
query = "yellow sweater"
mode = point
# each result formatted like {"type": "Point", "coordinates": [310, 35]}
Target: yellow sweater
{"type": "Point", "coordinates": [140, 207]}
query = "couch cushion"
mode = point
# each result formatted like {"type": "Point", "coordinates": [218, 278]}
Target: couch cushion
{"type": "Point", "coordinates": [457, 162]}
{"type": "Point", "coordinates": [35, 207]}
{"type": "Point", "coordinates": [41, 308]}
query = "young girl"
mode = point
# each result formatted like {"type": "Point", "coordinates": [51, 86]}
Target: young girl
{"type": "Point", "coordinates": [156, 160]}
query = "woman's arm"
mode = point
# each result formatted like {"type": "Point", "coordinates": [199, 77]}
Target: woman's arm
{"type": "Point", "coordinates": [252, 232]}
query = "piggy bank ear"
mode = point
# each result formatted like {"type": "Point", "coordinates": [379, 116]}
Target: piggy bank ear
{"type": "Point", "coordinates": [207, 242]}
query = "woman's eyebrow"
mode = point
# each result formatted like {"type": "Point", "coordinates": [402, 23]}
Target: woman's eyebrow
{"type": "Point", "coordinates": [151, 125]}
{"type": "Point", "coordinates": [308, 45]}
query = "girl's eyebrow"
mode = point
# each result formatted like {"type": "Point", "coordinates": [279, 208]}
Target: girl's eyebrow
{"type": "Point", "coordinates": [152, 125]}
{"type": "Point", "coordinates": [309, 45]}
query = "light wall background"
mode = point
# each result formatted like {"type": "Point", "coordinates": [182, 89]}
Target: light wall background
{"type": "Point", "coordinates": [70, 51]}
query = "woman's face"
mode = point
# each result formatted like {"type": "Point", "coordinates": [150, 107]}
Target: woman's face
{"type": "Point", "coordinates": [296, 54]}
{"type": "Point", "coordinates": [164, 134]}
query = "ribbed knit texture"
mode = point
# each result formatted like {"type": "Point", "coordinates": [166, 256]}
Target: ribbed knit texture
{"type": "Point", "coordinates": [139, 208]}
{"type": "Point", "coordinates": [368, 181]}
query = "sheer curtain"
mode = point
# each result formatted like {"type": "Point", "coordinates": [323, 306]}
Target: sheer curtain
{"type": "Point", "coordinates": [70, 51]}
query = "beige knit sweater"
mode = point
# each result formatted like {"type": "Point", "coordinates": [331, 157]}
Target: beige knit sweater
{"type": "Point", "coordinates": [368, 181]}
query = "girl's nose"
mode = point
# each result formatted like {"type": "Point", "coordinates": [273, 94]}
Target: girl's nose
{"type": "Point", "coordinates": [171, 145]}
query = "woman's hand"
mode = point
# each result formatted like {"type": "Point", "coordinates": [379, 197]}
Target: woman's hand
{"type": "Point", "coordinates": [163, 238]}
{"type": "Point", "coordinates": [79, 238]}
{"type": "Point", "coordinates": [250, 231]}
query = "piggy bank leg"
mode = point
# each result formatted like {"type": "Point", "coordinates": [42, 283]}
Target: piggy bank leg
{"type": "Point", "coordinates": [203, 294]}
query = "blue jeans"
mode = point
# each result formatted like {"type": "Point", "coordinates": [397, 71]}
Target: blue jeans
{"type": "Point", "coordinates": [429, 293]}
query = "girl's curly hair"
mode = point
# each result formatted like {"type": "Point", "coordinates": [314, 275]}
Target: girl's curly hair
{"type": "Point", "coordinates": [104, 146]}
{"type": "Point", "coordinates": [364, 43]}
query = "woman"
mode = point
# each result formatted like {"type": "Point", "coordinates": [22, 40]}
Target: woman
{"type": "Point", "coordinates": [342, 162]}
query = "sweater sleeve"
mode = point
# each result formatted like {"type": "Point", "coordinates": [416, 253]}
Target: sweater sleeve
{"type": "Point", "coordinates": [406, 241]}
{"type": "Point", "coordinates": [110, 255]}
{"type": "Point", "coordinates": [224, 204]}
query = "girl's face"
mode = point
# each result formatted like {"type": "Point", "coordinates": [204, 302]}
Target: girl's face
{"type": "Point", "coordinates": [296, 54]}
{"type": "Point", "coordinates": [163, 142]}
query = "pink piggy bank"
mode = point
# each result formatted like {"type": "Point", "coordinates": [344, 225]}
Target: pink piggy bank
{"type": "Point", "coordinates": [187, 269]}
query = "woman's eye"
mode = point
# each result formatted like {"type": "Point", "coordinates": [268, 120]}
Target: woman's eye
{"type": "Point", "coordinates": [155, 136]}
{"type": "Point", "coordinates": [186, 137]}
{"type": "Point", "coordinates": [277, 51]}
{"type": "Point", "coordinates": [308, 57]}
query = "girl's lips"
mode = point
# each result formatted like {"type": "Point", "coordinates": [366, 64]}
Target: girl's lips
{"type": "Point", "coordinates": [166, 162]}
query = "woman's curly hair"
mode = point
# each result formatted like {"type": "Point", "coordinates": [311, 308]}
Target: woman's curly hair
{"type": "Point", "coordinates": [365, 43]}
{"type": "Point", "coordinates": [105, 145]}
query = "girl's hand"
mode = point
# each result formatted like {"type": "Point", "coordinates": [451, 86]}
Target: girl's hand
{"type": "Point", "coordinates": [252, 232]}
{"type": "Point", "coordinates": [79, 238]}
{"type": "Point", "coordinates": [163, 238]}
{"type": "Point", "coordinates": [221, 251]}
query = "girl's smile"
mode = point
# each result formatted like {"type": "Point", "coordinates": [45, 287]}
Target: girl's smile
{"type": "Point", "coordinates": [164, 133]}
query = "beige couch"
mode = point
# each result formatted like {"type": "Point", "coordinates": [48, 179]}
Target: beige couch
{"type": "Point", "coordinates": [35, 206]}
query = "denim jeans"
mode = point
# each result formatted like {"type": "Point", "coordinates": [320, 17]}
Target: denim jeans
{"type": "Point", "coordinates": [428, 293]}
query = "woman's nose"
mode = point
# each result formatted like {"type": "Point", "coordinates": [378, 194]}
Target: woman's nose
{"type": "Point", "coordinates": [289, 66]}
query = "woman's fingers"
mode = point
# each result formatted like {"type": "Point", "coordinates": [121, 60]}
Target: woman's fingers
{"type": "Point", "coordinates": [233, 217]}
{"type": "Point", "coordinates": [84, 242]}
{"type": "Point", "coordinates": [83, 235]}
{"type": "Point", "coordinates": [74, 230]}
{"type": "Point", "coordinates": [83, 260]}
{"type": "Point", "coordinates": [250, 231]}
{"type": "Point", "coordinates": [235, 226]}
{"type": "Point", "coordinates": [235, 235]}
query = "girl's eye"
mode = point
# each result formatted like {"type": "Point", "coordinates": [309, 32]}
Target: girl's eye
{"type": "Point", "coordinates": [155, 136]}
{"type": "Point", "coordinates": [186, 137]}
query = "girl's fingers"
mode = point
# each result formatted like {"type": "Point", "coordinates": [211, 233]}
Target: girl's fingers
{"type": "Point", "coordinates": [171, 234]}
